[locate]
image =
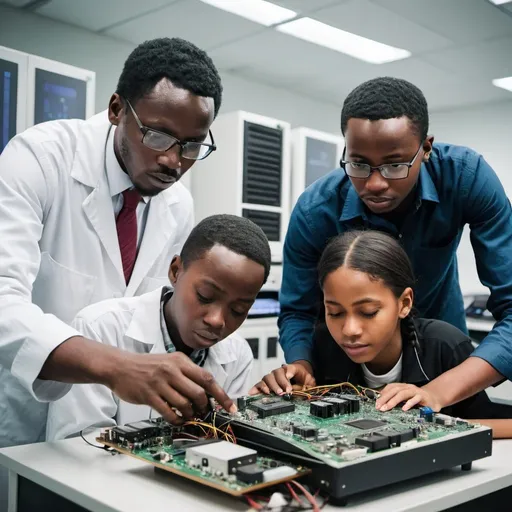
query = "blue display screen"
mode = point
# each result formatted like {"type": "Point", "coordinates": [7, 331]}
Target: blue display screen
{"type": "Point", "coordinates": [8, 101]}
{"type": "Point", "coordinates": [264, 307]}
{"type": "Point", "coordinates": [58, 97]}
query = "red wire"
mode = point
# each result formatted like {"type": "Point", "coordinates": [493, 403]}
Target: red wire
{"type": "Point", "coordinates": [295, 496]}
{"type": "Point", "coordinates": [308, 495]}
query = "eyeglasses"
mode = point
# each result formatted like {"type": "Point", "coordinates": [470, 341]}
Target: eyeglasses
{"type": "Point", "coordinates": [160, 141]}
{"type": "Point", "coordinates": [398, 171]}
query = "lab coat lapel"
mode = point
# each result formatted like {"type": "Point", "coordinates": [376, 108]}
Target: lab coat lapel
{"type": "Point", "coordinates": [89, 170]}
{"type": "Point", "coordinates": [160, 226]}
{"type": "Point", "coordinates": [98, 208]}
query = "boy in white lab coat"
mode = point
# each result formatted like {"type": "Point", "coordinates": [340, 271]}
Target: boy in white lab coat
{"type": "Point", "coordinates": [224, 263]}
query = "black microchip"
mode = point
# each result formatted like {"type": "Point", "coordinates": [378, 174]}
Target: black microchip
{"type": "Point", "coordinates": [341, 406]}
{"type": "Point", "coordinates": [265, 410]}
{"type": "Point", "coordinates": [144, 429]}
{"type": "Point", "coordinates": [397, 438]}
{"type": "Point", "coordinates": [321, 409]}
{"type": "Point", "coordinates": [241, 403]}
{"type": "Point", "coordinates": [366, 423]}
{"type": "Point", "coordinates": [305, 432]}
{"type": "Point", "coordinates": [249, 474]}
{"type": "Point", "coordinates": [374, 442]}
{"type": "Point", "coordinates": [354, 403]}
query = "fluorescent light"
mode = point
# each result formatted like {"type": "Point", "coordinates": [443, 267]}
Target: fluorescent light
{"type": "Point", "coordinates": [499, 2]}
{"type": "Point", "coordinates": [504, 83]}
{"type": "Point", "coordinates": [344, 42]}
{"type": "Point", "coordinates": [259, 11]}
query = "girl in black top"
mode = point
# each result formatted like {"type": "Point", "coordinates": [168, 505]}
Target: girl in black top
{"type": "Point", "coordinates": [369, 336]}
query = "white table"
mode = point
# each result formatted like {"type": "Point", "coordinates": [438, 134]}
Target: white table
{"type": "Point", "coordinates": [100, 482]}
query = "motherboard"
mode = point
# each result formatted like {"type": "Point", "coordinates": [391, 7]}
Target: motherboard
{"type": "Point", "coordinates": [352, 447]}
{"type": "Point", "coordinates": [332, 435]}
{"type": "Point", "coordinates": [198, 451]}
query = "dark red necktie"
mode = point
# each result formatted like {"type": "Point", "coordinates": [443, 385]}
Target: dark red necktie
{"type": "Point", "coordinates": [126, 224]}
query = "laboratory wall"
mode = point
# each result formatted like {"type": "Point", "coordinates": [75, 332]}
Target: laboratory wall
{"type": "Point", "coordinates": [31, 33]}
{"type": "Point", "coordinates": [488, 130]}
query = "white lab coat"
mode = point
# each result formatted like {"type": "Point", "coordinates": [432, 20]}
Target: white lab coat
{"type": "Point", "coordinates": [59, 252]}
{"type": "Point", "coordinates": [134, 325]}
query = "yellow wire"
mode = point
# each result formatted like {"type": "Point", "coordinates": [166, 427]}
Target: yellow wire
{"type": "Point", "coordinates": [332, 386]}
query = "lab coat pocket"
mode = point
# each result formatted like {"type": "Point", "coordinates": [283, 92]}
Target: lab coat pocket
{"type": "Point", "coordinates": [60, 290]}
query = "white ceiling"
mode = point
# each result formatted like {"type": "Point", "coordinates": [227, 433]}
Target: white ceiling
{"type": "Point", "coordinates": [458, 46]}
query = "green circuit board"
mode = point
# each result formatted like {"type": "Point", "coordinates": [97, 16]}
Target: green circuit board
{"type": "Point", "coordinates": [357, 430]}
{"type": "Point", "coordinates": [166, 454]}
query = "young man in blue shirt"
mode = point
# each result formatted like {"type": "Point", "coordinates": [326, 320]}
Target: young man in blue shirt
{"type": "Point", "coordinates": [394, 178]}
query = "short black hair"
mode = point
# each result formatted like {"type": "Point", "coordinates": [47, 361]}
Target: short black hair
{"type": "Point", "coordinates": [386, 98]}
{"type": "Point", "coordinates": [237, 234]}
{"type": "Point", "coordinates": [183, 63]}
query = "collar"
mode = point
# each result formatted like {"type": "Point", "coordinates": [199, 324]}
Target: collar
{"type": "Point", "coordinates": [118, 180]}
{"type": "Point", "coordinates": [145, 327]}
{"type": "Point", "coordinates": [353, 207]}
{"type": "Point", "coordinates": [145, 323]}
{"type": "Point", "coordinates": [197, 356]}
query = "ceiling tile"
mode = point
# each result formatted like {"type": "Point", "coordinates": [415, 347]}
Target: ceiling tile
{"type": "Point", "coordinates": [307, 6]}
{"type": "Point", "coordinates": [97, 14]}
{"type": "Point", "coordinates": [460, 21]}
{"type": "Point", "coordinates": [369, 20]}
{"type": "Point", "coordinates": [204, 25]}
{"type": "Point", "coordinates": [491, 59]}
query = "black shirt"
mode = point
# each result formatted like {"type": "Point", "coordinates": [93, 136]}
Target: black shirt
{"type": "Point", "coordinates": [441, 347]}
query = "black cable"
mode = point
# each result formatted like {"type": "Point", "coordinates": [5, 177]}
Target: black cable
{"type": "Point", "coordinates": [100, 447]}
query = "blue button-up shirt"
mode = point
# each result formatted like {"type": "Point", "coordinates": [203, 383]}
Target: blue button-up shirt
{"type": "Point", "coordinates": [456, 187]}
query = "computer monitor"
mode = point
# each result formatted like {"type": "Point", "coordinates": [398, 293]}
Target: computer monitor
{"type": "Point", "coordinates": [8, 101]}
{"type": "Point", "coordinates": [58, 97]}
{"type": "Point", "coordinates": [321, 158]}
{"type": "Point", "coordinates": [58, 91]}
{"type": "Point", "coordinates": [13, 81]}
{"type": "Point", "coordinates": [314, 155]}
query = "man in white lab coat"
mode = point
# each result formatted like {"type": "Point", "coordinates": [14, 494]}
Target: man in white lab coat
{"type": "Point", "coordinates": [91, 210]}
{"type": "Point", "coordinates": [223, 265]}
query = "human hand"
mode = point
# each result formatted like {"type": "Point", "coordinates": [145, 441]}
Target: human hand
{"type": "Point", "coordinates": [278, 381]}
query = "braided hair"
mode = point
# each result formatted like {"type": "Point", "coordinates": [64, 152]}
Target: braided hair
{"type": "Point", "coordinates": [378, 255]}
{"type": "Point", "coordinates": [408, 330]}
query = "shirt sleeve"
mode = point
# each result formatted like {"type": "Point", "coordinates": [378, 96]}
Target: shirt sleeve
{"type": "Point", "coordinates": [300, 293]}
{"type": "Point", "coordinates": [27, 335]}
{"type": "Point", "coordinates": [478, 406]}
{"type": "Point", "coordinates": [85, 405]}
{"type": "Point", "coordinates": [489, 216]}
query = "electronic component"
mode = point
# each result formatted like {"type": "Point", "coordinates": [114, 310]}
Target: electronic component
{"type": "Point", "coordinates": [444, 419]}
{"type": "Point", "coordinates": [250, 474]}
{"type": "Point", "coordinates": [426, 413]}
{"type": "Point", "coordinates": [341, 452]}
{"type": "Point", "coordinates": [354, 403]}
{"type": "Point", "coordinates": [374, 442]}
{"type": "Point", "coordinates": [271, 407]}
{"type": "Point", "coordinates": [341, 406]}
{"type": "Point", "coordinates": [241, 403]}
{"type": "Point", "coordinates": [321, 409]}
{"type": "Point", "coordinates": [397, 438]}
{"type": "Point", "coordinates": [220, 456]}
{"type": "Point", "coordinates": [305, 431]}
{"type": "Point", "coordinates": [270, 475]}
{"type": "Point", "coordinates": [366, 423]}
